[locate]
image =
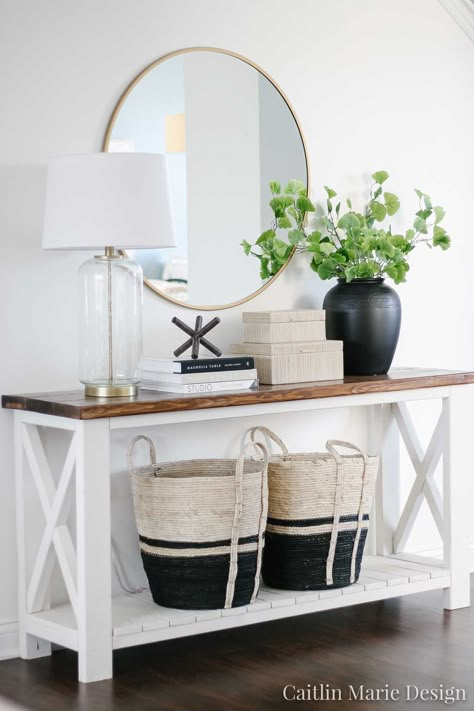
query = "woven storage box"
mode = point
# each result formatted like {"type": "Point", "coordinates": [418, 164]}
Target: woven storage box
{"type": "Point", "coordinates": [284, 326]}
{"type": "Point", "coordinates": [318, 516]}
{"type": "Point", "coordinates": [284, 316]}
{"type": "Point", "coordinates": [304, 362]}
{"type": "Point", "coordinates": [201, 525]}
{"type": "Point", "coordinates": [284, 332]}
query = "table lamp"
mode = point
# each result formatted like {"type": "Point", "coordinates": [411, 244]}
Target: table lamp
{"type": "Point", "coordinates": [108, 201]}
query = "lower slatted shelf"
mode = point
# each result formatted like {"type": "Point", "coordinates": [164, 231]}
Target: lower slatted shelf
{"type": "Point", "coordinates": [137, 620]}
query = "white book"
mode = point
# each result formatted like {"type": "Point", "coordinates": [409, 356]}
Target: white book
{"type": "Point", "coordinates": [189, 378]}
{"type": "Point", "coordinates": [200, 388]}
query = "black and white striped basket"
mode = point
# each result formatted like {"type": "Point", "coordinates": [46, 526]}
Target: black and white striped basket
{"type": "Point", "coordinates": [201, 525]}
{"type": "Point", "coordinates": [318, 516]}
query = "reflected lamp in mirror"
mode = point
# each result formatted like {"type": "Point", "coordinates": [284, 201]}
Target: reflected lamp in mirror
{"type": "Point", "coordinates": [108, 201]}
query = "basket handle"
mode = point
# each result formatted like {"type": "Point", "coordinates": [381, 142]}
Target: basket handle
{"type": "Point", "coordinates": [234, 537]}
{"type": "Point", "coordinates": [131, 448]}
{"type": "Point", "coordinates": [271, 435]}
{"type": "Point", "coordinates": [331, 445]}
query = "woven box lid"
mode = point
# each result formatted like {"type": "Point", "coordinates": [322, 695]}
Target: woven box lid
{"type": "Point", "coordinates": [283, 316]}
{"type": "Point", "coordinates": [286, 348]}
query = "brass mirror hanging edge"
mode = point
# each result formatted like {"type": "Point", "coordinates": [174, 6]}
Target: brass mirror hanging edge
{"type": "Point", "coordinates": [108, 134]}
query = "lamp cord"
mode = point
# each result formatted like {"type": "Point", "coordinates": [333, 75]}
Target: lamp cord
{"type": "Point", "coordinates": [120, 572]}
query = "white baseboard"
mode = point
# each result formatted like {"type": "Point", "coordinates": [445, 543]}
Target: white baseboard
{"type": "Point", "coordinates": [8, 640]}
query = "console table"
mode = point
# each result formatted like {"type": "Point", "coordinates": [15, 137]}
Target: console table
{"type": "Point", "coordinates": [94, 623]}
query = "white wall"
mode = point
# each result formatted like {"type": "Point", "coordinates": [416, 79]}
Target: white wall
{"type": "Point", "coordinates": [223, 159]}
{"type": "Point", "coordinates": [375, 85]}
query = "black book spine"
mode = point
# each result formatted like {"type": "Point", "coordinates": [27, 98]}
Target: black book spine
{"type": "Point", "coordinates": [216, 365]}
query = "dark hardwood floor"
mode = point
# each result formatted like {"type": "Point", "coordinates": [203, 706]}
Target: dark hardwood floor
{"type": "Point", "coordinates": [409, 640]}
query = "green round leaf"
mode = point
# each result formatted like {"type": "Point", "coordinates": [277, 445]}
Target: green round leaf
{"type": "Point", "coordinates": [379, 211]}
{"type": "Point", "coordinates": [284, 222]}
{"type": "Point", "coordinates": [439, 214]}
{"type": "Point", "coordinates": [295, 236]}
{"type": "Point", "coordinates": [380, 176]}
{"type": "Point", "coordinates": [326, 269]}
{"type": "Point", "coordinates": [266, 237]}
{"type": "Point", "coordinates": [392, 203]}
{"type": "Point", "coordinates": [295, 187]}
{"type": "Point", "coordinates": [440, 238]}
{"type": "Point", "coordinates": [304, 204]}
{"type": "Point", "coordinates": [420, 225]}
{"type": "Point", "coordinates": [347, 221]}
{"type": "Point", "coordinates": [326, 247]}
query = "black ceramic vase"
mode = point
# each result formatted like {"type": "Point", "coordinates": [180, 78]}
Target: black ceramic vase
{"type": "Point", "coordinates": [366, 315]}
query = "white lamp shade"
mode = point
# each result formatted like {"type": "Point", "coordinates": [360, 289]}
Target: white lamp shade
{"type": "Point", "coordinates": [108, 200]}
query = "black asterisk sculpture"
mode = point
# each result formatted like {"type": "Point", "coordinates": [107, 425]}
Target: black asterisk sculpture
{"type": "Point", "coordinates": [196, 337]}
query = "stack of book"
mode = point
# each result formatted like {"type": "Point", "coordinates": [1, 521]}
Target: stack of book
{"type": "Point", "coordinates": [203, 375]}
{"type": "Point", "coordinates": [290, 346]}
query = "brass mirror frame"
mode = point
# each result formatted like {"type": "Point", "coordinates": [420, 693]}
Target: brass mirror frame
{"type": "Point", "coordinates": [110, 128]}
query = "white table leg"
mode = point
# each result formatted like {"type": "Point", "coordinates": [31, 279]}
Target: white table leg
{"type": "Point", "coordinates": [30, 647]}
{"type": "Point", "coordinates": [93, 551]}
{"type": "Point", "coordinates": [384, 441]}
{"type": "Point", "coordinates": [458, 461]}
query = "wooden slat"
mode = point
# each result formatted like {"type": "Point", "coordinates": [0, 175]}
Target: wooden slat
{"type": "Point", "coordinates": [258, 605]}
{"type": "Point", "coordinates": [390, 578]}
{"type": "Point", "coordinates": [352, 589]}
{"type": "Point", "coordinates": [131, 615]}
{"type": "Point", "coordinates": [334, 592]}
{"type": "Point", "coordinates": [433, 572]}
{"type": "Point", "coordinates": [234, 611]}
{"type": "Point", "coordinates": [370, 583]}
{"type": "Point", "coordinates": [175, 617]}
{"type": "Point", "coordinates": [75, 405]}
{"type": "Point", "coordinates": [277, 598]}
{"type": "Point", "coordinates": [307, 596]}
{"type": "Point", "coordinates": [408, 575]}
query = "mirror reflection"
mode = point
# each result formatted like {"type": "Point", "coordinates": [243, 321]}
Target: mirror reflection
{"type": "Point", "coordinates": [226, 132]}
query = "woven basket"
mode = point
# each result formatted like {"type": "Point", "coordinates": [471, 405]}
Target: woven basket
{"type": "Point", "coordinates": [318, 516]}
{"type": "Point", "coordinates": [201, 525]}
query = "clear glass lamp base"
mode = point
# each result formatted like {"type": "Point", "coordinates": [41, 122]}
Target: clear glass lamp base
{"type": "Point", "coordinates": [110, 325]}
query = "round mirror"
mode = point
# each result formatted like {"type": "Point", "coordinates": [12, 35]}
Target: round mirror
{"type": "Point", "coordinates": [227, 130]}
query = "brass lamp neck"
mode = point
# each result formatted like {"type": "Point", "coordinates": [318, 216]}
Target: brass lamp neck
{"type": "Point", "coordinates": [109, 253]}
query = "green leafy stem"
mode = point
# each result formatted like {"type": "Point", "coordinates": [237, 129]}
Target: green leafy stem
{"type": "Point", "coordinates": [350, 244]}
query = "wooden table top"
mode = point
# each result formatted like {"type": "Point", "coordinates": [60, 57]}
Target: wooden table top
{"type": "Point", "coordinates": [75, 405]}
